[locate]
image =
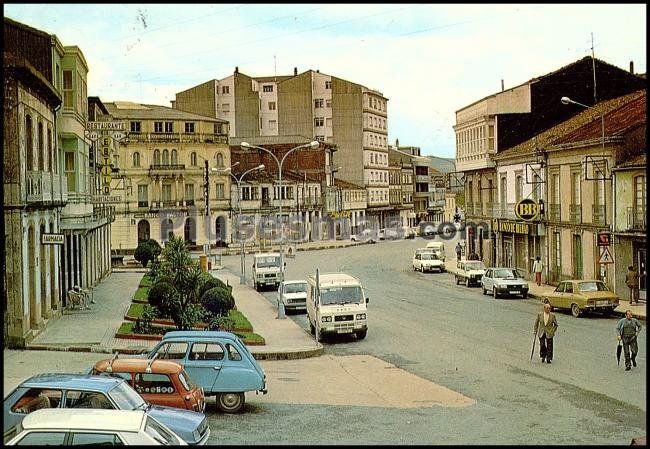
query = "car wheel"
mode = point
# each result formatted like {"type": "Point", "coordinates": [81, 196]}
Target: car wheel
{"type": "Point", "coordinates": [457, 282]}
{"type": "Point", "coordinates": [361, 334]}
{"type": "Point", "coordinates": [494, 292]}
{"type": "Point", "coordinates": [575, 310]}
{"type": "Point", "coordinates": [311, 328]}
{"type": "Point", "coordinates": [525, 295]}
{"type": "Point", "coordinates": [484, 290]}
{"type": "Point", "coordinates": [230, 402]}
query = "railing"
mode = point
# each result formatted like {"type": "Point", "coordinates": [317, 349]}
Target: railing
{"type": "Point", "coordinates": [160, 169]}
{"type": "Point", "coordinates": [636, 219]}
{"type": "Point", "coordinates": [169, 203]}
{"type": "Point", "coordinates": [554, 212]}
{"type": "Point", "coordinates": [143, 203]}
{"type": "Point", "coordinates": [177, 137]}
{"type": "Point", "coordinates": [575, 213]}
{"type": "Point", "coordinates": [45, 187]}
{"type": "Point", "coordinates": [599, 216]}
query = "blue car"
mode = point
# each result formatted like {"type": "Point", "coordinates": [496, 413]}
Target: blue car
{"type": "Point", "coordinates": [57, 390]}
{"type": "Point", "coordinates": [219, 362]}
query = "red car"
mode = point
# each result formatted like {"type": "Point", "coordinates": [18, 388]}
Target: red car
{"type": "Point", "coordinates": [160, 382]}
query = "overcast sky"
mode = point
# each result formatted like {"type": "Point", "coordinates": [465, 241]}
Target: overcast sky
{"type": "Point", "coordinates": [429, 60]}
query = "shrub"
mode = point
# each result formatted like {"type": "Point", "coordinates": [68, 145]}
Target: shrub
{"type": "Point", "coordinates": [218, 301]}
{"type": "Point", "coordinates": [210, 283]}
{"type": "Point", "coordinates": [222, 323]}
{"type": "Point", "coordinates": [164, 297]}
{"type": "Point", "coordinates": [143, 324]}
{"type": "Point", "coordinates": [147, 251]}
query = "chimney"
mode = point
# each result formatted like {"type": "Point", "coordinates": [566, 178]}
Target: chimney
{"type": "Point", "coordinates": [397, 143]}
{"type": "Point", "coordinates": [236, 69]}
{"type": "Point", "coordinates": [317, 71]}
{"type": "Point", "coordinates": [632, 67]}
{"type": "Point", "coordinates": [502, 88]}
{"type": "Point", "coordinates": [295, 71]}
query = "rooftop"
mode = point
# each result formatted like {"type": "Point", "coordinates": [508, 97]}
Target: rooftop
{"type": "Point", "coordinates": [131, 110]}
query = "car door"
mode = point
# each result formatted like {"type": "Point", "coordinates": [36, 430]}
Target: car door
{"type": "Point", "coordinates": [204, 363]}
{"type": "Point", "coordinates": [569, 294]}
{"type": "Point", "coordinates": [487, 280]}
{"type": "Point", "coordinates": [416, 262]}
{"type": "Point", "coordinates": [26, 400]}
{"type": "Point", "coordinates": [557, 297]}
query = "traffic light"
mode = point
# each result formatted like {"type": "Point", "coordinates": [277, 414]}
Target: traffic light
{"type": "Point", "coordinates": [457, 218]}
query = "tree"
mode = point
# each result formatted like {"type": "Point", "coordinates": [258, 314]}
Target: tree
{"type": "Point", "coordinates": [218, 301]}
{"type": "Point", "coordinates": [147, 251]}
{"type": "Point", "coordinates": [165, 298]}
{"type": "Point", "coordinates": [208, 282]}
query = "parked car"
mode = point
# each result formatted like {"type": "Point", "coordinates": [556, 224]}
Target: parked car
{"type": "Point", "coordinates": [76, 427]}
{"type": "Point", "coordinates": [367, 235]}
{"type": "Point", "coordinates": [504, 281]}
{"type": "Point", "coordinates": [293, 294]}
{"type": "Point", "coordinates": [427, 261]}
{"type": "Point", "coordinates": [579, 295]}
{"type": "Point", "coordinates": [160, 382]}
{"type": "Point", "coordinates": [391, 234]}
{"type": "Point", "coordinates": [439, 248]}
{"type": "Point", "coordinates": [217, 361]}
{"type": "Point", "coordinates": [58, 390]}
{"type": "Point", "coordinates": [470, 272]}
{"type": "Point", "coordinates": [409, 233]}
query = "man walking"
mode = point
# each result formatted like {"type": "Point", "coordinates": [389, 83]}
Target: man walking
{"type": "Point", "coordinates": [459, 251]}
{"type": "Point", "coordinates": [545, 327]}
{"type": "Point", "coordinates": [627, 329]}
{"type": "Point", "coordinates": [537, 269]}
{"type": "Point", "coordinates": [632, 281]}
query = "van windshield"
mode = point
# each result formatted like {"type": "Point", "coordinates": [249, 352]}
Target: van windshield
{"type": "Point", "coordinates": [265, 262]}
{"type": "Point", "coordinates": [341, 295]}
{"type": "Point", "coordinates": [296, 288]}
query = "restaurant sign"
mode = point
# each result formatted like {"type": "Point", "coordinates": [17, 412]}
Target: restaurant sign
{"type": "Point", "coordinates": [513, 227]}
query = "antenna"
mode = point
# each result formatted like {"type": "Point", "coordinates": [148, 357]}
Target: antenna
{"type": "Point", "coordinates": [275, 69]}
{"type": "Point", "coordinates": [593, 65]}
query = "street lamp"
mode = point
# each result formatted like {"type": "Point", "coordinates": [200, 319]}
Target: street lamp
{"type": "Point", "coordinates": [242, 256]}
{"type": "Point", "coordinates": [567, 100]}
{"type": "Point", "coordinates": [313, 144]}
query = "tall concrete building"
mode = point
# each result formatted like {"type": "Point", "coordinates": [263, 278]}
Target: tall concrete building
{"type": "Point", "coordinates": [311, 104]}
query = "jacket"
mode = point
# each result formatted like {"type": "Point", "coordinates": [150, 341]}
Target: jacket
{"type": "Point", "coordinates": [623, 322]}
{"type": "Point", "coordinates": [550, 328]}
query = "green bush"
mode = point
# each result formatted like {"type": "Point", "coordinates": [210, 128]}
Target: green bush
{"type": "Point", "coordinates": [218, 301]}
{"type": "Point", "coordinates": [147, 251]}
{"type": "Point", "coordinates": [210, 283]}
{"type": "Point", "coordinates": [143, 324]}
{"type": "Point", "coordinates": [164, 297]}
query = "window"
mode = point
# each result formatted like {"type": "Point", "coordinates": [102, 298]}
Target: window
{"type": "Point", "coordinates": [153, 383]}
{"type": "Point", "coordinates": [136, 159]}
{"type": "Point", "coordinates": [172, 351]}
{"type": "Point", "coordinates": [267, 88]}
{"type": "Point", "coordinates": [328, 122]}
{"type": "Point", "coordinates": [271, 105]}
{"type": "Point", "coordinates": [555, 186]}
{"type": "Point", "coordinates": [165, 157]}
{"type": "Point", "coordinates": [174, 157]}
{"type": "Point", "coordinates": [233, 354]}
{"type": "Point", "coordinates": [189, 194]}
{"type": "Point", "coordinates": [189, 127]}
{"type": "Point", "coordinates": [328, 103]}
{"type": "Point", "coordinates": [157, 127]}
{"type": "Point", "coordinates": [41, 147]}
{"type": "Point", "coordinates": [575, 188]}
{"type": "Point", "coordinates": [70, 172]}
{"type": "Point", "coordinates": [156, 157]}
{"type": "Point", "coordinates": [225, 89]}
{"type": "Point", "coordinates": [143, 195]}
{"type": "Point", "coordinates": [29, 141]}
{"type": "Point", "coordinates": [320, 138]}
{"type": "Point", "coordinates": [169, 127]}
{"type": "Point", "coordinates": [206, 351]}
{"type": "Point", "coordinates": [106, 439]}
{"type": "Point", "coordinates": [225, 107]}
{"type": "Point", "coordinates": [639, 193]}
{"type": "Point", "coordinates": [50, 161]}
{"type": "Point", "coordinates": [42, 439]}
{"type": "Point", "coordinates": [319, 103]}
{"type": "Point", "coordinates": [219, 192]}
{"type": "Point", "coordinates": [193, 159]}
{"type": "Point", "coordinates": [36, 399]}
{"type": "Point", "coordinates": [166, 192]}
{"type": "Point", "coordinates": [503, 192]}
{"type": "Point", "coordinates": [328, 84]}
{"type": "Point", "coordinates": [68, 94]}
{"type": "Point", "coordinates": [273, 124]}
{"type": "Point", "coordinates": [519, 188]}
{"type": "Point", "coordinates": [319, 121]}
{"type": "Point", "coordinates": [219, 158]}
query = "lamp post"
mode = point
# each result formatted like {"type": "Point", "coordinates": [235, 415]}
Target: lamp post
{"type": "Point", "coordinates": [242, 256]}
{"type": "Point", "coordinates": [313, 144]}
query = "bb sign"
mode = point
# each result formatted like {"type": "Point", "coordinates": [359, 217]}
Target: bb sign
{"type": "Point", "coordinates": [527, 209]}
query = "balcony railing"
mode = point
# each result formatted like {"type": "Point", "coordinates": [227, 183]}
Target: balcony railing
{"type": "Point", "coordinates": [575, 213]}
{"type": "Point", "coordinates": [599, 216]}
{"type": "Point", "coordinates": [165, 169]}
{"type": "Point", "coordinates": [636, 219]}
{"type": "Point", "coordinates": [554, 212]}
{"type": "Point", "coordinates": [143, 203]}
{"type": "Point", "coordinates": [45, 187]}
{"type": "Point", "coordinates": [177, 137]}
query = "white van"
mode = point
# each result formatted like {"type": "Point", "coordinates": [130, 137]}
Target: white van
{"type": "Point", "coordinates": [439, 248]}
{"type": "Point", "coordinates": [336, 304]}
{"type": "Point", "coordinates": [267, 270]}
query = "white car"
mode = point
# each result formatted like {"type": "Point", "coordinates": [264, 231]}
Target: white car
{"type": "Point", "coordinates": [470, 272]}
{"type": "Point", "coordinates": [427, 261]}
{"type": "Point", "coordinates": [76, 426]}
{"type": "Point", "coordinates": [293, 294]}
{"type": "Point", "coordinates": [367, 235]}
{"type": "Point", "coordinates": [504, 281]}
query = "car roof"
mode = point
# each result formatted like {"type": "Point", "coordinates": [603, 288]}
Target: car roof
{"type": "Point", "coordinates": [266, 254]}
{"type": "Point", "coordinates": [199, 334]}
{"type": "Point", "coordinates": [140, 365]}
{"type": "Point", "coordinates": [72, 382]}
{"type": "Point", "coordinates": [295, 282]}
{"type": "Point", "coordinates": [84, 419]}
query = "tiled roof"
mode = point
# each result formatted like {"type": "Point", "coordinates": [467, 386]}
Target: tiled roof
{"type": "Point", "coordinates": [636, 161]}
{"type": "Point", "coordinates": [621, 114]}
{"type": "Point", "coordinates": [347, 185]}
{"type": "Point", "coordinates": [130, 110]}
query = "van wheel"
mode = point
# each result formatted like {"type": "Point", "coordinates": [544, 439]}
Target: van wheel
{"type": "Point", "coordinates": [575, 310]}
{"type": "Point", "coordinates": [494, 292]}
{"type": "Point", "coordinates": [457, 280]}
{"type": "Point", "coordinates": [230, 402]}
{"type": "Point", "coordinates": [484, 290]}
{"type": "Point", "coordinates": [362, 334]}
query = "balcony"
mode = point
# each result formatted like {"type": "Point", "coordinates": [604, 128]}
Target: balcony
{"type": "Point", "coordinates": [599, 217]}
{"type": "Point", "coordinates": [165, 169]}
{"type": "Point", "coordinates": [636, 219]}
{"type": "Point", "coordinates": [177, 138]}
{"type": "Point", "coordinates": [45, 187]}
{"type": "Point", "coordinates": [469, 210]}
{"type": "Point", "coordinates": [554, 212]}
{"type": "Point", "coordinates": [575, 213]}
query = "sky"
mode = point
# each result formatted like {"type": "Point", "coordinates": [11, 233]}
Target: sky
{"type": "Point", "coordinates": [429, 60]}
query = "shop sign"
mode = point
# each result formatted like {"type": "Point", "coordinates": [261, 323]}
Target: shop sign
{"type": "Point", "coordinates": [52, 239]}
{"type": "Point", "coordinates": [604, 238]}
{"type": "Point", "coordinates": [510, 226]}
{"type": "Point", "coordinates": [527, 209]}
{"type": "Point", "coordinates": [341, 214]}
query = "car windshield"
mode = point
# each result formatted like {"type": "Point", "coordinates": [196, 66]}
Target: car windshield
{"type": "Point", "coordinates": [127, 398]}
{"type": "Point", "coordinates": [265, 262]}
{"type": "Point", "coordinates": [341, 295]}
{"type": "Point", "coordinates": [186, 380]}
{"type": "Point", "coordinates": [593, 287]}
{"type": "Point", "coordinates": [295, 288]}
{"type": "Point", "coordinates": [429, 256]}
{"type": "Point", "coordinates": [474, 266]}
{"type": "Point", "coordinates": [506, 273]}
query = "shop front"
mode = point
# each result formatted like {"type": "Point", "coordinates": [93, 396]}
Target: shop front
{"type": "Point", "coordinates": [517, 243]}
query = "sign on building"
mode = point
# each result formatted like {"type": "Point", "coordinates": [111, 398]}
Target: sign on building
{"type": "Point", "coordinates": [52, 239]}
{"type": "Point", "coordinates": [527, 209]}
{"type": "Point", "coordinates": [604, 239]}
{"type": "Point", "coordinates": [605, 256]}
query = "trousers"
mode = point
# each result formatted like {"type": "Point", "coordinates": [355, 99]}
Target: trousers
{"type": "Point", "coordinates": [546, 347]}
{"type": "Point", "coordinates": [630, 348]}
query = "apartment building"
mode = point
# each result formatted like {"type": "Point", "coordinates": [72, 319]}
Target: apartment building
{"type": "Point", "coordinates": [162, 174]}
{"type": "Point", "coordinates": [312, 104]}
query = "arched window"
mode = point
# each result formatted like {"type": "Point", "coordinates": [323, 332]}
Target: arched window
{"type": "Point", "coordinates": [193, 159]}
{"type": "Point", "coordinates": [156, 157]}
{"type": "Point", "coordinates": [165, 157]}
{"type": "Point", "coordinates": [219, 158]}
{"type": "Point", "coordinates": [41, 147]}
{"type": "Point", "coordinates": [136, 159]}
{"type": "Point", "coordinates": [174, 157]}
{"type": "Point", "coordinates": [29, 142]}
{"type": "Point", "coordinates": [144, 230]}
{"type": "Point", "coordinates": [50, 148]}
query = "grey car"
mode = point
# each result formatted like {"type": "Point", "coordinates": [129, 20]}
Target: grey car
{"type": "Point", "coordinates": [504, 281]}
{"type": "Point", "coordinates": [58, 390]}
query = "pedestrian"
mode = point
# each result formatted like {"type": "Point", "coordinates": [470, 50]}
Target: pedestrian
{"type": "Point", "coordinates": [459, 251]}
{"type": "Point", "coordinates": [627, 329]}
{"type": "Point", "coordinates": [473, 256]}
{"type": "Point", "coordinates": [632, 281]}
{"type": "Point", "coordinates": [537, 269]}
{"type": "Point", "coordinates": [545, 327]}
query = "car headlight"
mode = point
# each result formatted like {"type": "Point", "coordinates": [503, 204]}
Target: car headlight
{"type": "Point", "coordinates": [361, 316]}
{"type": "Point", "coordinates": [326, 319]}
{"type": "Point", "coordinates": [196, 434]}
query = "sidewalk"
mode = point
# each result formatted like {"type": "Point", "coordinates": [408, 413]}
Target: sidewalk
{"type": "Point", "coordinates": [538, 292]}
